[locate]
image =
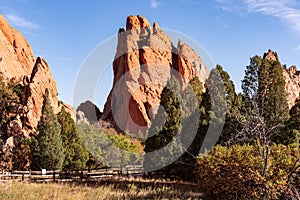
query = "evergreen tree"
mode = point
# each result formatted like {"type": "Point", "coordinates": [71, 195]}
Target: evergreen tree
{"type": "Point", "coordinates": [183, 167]}
{"type": "Point", "coordinates": [16, 157]}
{"type": "Point", "coordinates": [7, 98]}
{"type": "Point", "coordinates": [293, 125]}
{"type": "Point", "coordinates": [232, 101]}
{"type": "Point", "coordinates": [264, 107]}
{"type": "Point", "coordinates": [47, 151]}
{"type": "Point", "coordinates": [272, 99]}
{"type": "Point", "coordinates": [159, 135]}
{"type": "Point", "coordinates": [76, 155]}
{"type": "Point", "coordinates": [250, 81]}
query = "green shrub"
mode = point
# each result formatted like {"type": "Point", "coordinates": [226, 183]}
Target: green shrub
{"type": "Point", "coordinates": [237, 172]}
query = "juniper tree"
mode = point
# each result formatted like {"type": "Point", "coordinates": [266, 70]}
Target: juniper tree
{"type": "Point", "coordinates": [159, 135]}
{"type": "Point", "coordinates": [265, 108]}
{"type": "Point", "coordinates": [47, 148]}
{"type": "Point", "coordinates": [75, 153]}
{"type": "Point", "coordinates": [229, 99]}
{"type": "Point", "coordinates": [272, 99]}
{"type": "Point", "coordinates": [293, 125]}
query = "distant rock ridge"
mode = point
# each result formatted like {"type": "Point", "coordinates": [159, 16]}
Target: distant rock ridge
{"type": "Point", "coordinates": [146, 56]}
{"type": "Point", "coordinates": [88, 112]}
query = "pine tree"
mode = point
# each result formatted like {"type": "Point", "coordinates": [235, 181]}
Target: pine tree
{"type": "Point", "coordinates": [162, 134]}
{"type": "Point", "coordinates": [76, 155]}
{"type": "Point", "coordinates": [47, 151]}
{"type": "Point", "coordinates": [250, 81]}
{"type": "Point", "coordinates": [7, 98]}
{"type": "Point", "coordinates": [197, 120]}
{"type": "Point", "coordinates": [232, 101]}
{"type": "Point", "coordinates": [272, 99]}
{"type": "Point", "coordinates": [264, 107]}
{"type": "Point", "coordinates": [293, 125]}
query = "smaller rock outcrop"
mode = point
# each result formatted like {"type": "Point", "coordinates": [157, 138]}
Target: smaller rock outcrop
{"type": "Point", "coordinates": [35, 87]}
{"type": "Point", "coordinates": [271, 55]}
{"type": "Point", "coordinates": [88, 112]}
{"type": "Point", "coordinates": [68, 109]}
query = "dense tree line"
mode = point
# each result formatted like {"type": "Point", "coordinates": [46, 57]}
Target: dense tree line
{"type": "Point", "coordinates": [59, 144]}
{"type": "Point", "coordinates": [259, 117]}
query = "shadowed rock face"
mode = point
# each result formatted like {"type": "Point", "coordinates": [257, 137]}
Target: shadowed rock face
{"type": "Point", "coordinates": [144, 62]}
{"type": "Point", "coordinates": [90, 111]}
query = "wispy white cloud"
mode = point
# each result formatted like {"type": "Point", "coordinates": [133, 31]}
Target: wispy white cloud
{"type": "Point", "coordinates": [281, 9]}
{"type": "Point", "coordinates": [154, 4]}
{"type": "Point", "coordinates": [231, 6]}
{"type": "Point", "coordinates": [21, 22]}
{"type": "Point", "coordinates": [222, 22]}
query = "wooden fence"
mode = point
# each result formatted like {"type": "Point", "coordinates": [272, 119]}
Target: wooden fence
{"type": "Point", "coordinates": [63, 176]}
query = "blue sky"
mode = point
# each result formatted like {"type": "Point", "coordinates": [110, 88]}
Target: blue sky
{"type": "Point", "coordinates": [231, 31]}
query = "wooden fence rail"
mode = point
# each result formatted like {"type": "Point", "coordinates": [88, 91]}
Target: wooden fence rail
{"type": "Point", "coordinates": [83, 175]}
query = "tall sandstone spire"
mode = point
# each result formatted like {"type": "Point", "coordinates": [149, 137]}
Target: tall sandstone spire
{"type": "Point", "coordinates": [144, 62]}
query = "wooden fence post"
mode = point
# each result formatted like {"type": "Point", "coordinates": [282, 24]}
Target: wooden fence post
{"type": "Point", "coordinates": [105, 171]}
{"type": "Point", "coordinates": [53, 175]}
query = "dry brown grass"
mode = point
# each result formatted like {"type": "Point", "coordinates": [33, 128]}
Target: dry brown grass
{"type": "Point", "coordinates": [108, 189]}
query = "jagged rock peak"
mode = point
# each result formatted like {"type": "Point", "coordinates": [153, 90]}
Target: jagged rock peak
{"type": "Point", "coordinates": [144, 62]}
{"type": "Point", "coordinates": [136, 22]}
{"type": "Point", "coordinates": [155, 25]}
{"type": "Point", "coordinates": [293, 70]}
{"type": "Point", "coordinates": [271, 55]}
{"type": "Point", "coordinates": [37, 83]}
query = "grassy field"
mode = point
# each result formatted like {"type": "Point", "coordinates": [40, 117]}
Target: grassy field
{"type": "Point", "coordinates": [109, 189]}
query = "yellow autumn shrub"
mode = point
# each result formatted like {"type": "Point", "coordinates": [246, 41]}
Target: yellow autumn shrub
{"type": "Point", "coordinates": [237, 172]}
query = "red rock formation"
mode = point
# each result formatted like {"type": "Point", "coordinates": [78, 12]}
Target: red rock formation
{"type": "Point", "coordinates": [36, 85]}
{"type": "Point", "coordinates": [190, 64]}
{"type": "Point", "coordinates": [17, 61]}
{"type": "Point", "coordinates": [143, 64]}
{"type": "Point", "coordinates": [292, 84]}
{"type": "Point", "coordinates": [69, 109]}
{"type": "Point", "coordinates": [16, 57]}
